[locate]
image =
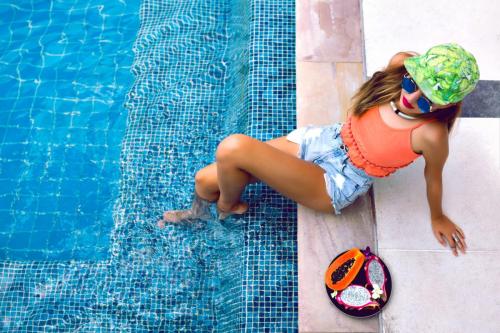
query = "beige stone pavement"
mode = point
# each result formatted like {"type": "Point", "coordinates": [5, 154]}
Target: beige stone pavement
{"type": "Point", "coordinates": [329, 70]}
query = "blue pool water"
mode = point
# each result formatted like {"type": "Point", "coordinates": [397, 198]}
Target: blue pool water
{"type": "Point", "coordinates": [136, 98]}
{"type": "Point", "coordinates": [64, 73]}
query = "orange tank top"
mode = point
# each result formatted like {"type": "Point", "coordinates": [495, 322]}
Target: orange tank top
{"type": "Point", "coordinates": [376, 147]}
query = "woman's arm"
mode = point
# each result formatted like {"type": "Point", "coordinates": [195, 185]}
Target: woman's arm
{"type": "Point", "coordinates": [435, 151]}
{"type": "Point", "coordinates": [435, 154]}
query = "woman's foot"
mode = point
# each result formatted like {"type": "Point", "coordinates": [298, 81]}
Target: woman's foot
{"type": "Point", "coordinates": [225, 211]}
{"type": "Point", "coordinates": [200, 209]}
{"type": "Point", "coordinates": [175, 216]}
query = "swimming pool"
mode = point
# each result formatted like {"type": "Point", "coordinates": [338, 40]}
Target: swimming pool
{"type": "Point", "coordinates": [64, 73]}
{"type": "Point", "coordinates": [111, 108]}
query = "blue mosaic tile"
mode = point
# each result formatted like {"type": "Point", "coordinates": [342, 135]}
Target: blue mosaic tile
{"type": "Point", "coordinates": [201, 70]}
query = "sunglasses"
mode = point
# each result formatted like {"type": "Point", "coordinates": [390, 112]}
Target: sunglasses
{"type": "Point", "coordinates": [424, 104]}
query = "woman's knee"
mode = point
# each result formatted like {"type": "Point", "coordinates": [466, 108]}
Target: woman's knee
{"type": "Point", "coordinates": [207, 176]}
{"type": "Point", "coordinates": [201, 177]}
{"type": "Point", "coordinates": [230, 147]}
{"type": "Point", "coordinates": [206, 184]}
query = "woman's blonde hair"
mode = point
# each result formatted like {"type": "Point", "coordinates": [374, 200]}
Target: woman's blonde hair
{"type": "Point", "coordinates": [385, 85]}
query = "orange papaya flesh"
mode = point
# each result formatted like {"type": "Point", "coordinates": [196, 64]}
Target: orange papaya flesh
{"type": "Point", "coordinates": [343, 270]}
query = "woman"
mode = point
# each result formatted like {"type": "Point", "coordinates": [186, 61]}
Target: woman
{"type": "Point", "coordinates": [405, 111]}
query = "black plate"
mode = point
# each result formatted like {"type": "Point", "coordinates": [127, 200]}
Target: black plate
{"type": "Point", "coordinates": [361, 280]}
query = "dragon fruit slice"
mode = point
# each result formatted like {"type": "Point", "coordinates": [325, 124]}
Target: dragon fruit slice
{"type": "Point", "coordinates": [356, 297]}
{"type": "Point", "coordinates": [375, 273]}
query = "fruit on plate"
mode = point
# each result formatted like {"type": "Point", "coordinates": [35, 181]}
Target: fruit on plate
{"type": "Point", "coordinates": [343, 270]}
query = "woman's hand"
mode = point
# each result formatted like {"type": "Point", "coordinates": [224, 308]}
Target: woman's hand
{"type": "Point", "coordinates": [444, 228]}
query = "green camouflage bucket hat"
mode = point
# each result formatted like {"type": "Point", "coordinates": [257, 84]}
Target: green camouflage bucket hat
{"type": "Point", "coordinates": [446, 73]}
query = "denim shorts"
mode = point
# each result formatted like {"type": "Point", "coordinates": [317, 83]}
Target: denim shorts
{"type": "Point", "coordinates": [323, 146]}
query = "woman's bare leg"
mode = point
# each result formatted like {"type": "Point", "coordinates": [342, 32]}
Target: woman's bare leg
{"type": "Point", "coordinates": [299, 180]}
{"type": "Point", "coordinates": [207, 185]}
{"type": "Point", "coordinates": [233, 180]}
{"type": "Point", "coordinates": [232, 183]}
{"type": "Point", "coordinates": [206, 192]}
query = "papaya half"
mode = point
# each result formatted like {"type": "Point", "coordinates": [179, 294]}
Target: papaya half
{"type": "Point", "coordinates": [343, 270]}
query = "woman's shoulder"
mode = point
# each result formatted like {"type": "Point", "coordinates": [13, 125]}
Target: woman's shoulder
{"type": "Point", "coordinates": [436, 129]}
{"type": "Point", "coordinates": [433, 133]}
